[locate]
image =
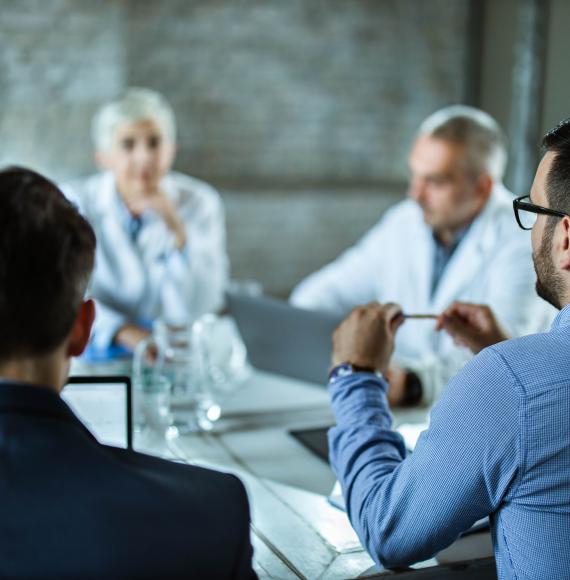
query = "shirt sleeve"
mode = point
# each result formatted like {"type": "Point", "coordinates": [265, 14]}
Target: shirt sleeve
{"type": "Point", "coordinates": [406, 509]}
{"type": "Point", "coordinates": [107, 319]}
{"type": "Point", "coordinates": [436, 369]}
{"type": "Point", "coordinates": [107, 323]}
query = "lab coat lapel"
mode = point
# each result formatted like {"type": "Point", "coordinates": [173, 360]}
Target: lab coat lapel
{"type": "Point", "coordinates": [118, 263]}
{"type": "Point", "coordinates": [466, 262]}
{"type": "Point", "coordinates": [414, 256]}
{"type": "Point", "coordinates": [422, 268]}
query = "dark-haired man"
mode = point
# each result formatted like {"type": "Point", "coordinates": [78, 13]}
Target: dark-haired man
{"type": "Point", "coordinates": [499, 438]}
{"type": "Point", "coordinates": [73, 508]}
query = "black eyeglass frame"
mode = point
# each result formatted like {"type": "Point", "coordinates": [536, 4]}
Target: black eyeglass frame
{"type": "Point", "coordinates": [519, 204]}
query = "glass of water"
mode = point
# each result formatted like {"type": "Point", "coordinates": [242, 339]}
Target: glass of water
{"type": "Point", "coordinates": [152, 394]}
{"type": "Point", "coordinates": [221, 356]}
{"type": "Point", "coordinates": [170, 355]}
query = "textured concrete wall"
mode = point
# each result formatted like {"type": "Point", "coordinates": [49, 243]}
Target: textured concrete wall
{"type": "Point", "coordinates": [59, 59]}
{"type": "Point", "coordinates": [300, 111]}
{"type": "Point", "coordinates": [280, 237]}
{"type": "Point", "coordinates": [301, 91]}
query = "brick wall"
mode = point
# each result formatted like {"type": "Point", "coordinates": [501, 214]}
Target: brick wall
{"type": "Point", "coordinates": [300, 111]}
{"type": "Point", "coordinates": [302, 91]}
{"type": "Point", "coordinates": [285, 235]}
{"type": "Point", "coordinates": [58, 60]}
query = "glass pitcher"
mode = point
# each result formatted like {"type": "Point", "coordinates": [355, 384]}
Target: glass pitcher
{"type": "Point", "coordinates": [169, 356]}
{"type": "Point", "coordinates": [222, 356]}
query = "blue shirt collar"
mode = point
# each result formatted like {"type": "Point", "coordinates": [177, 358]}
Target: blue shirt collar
{"type": "Point", "coordinates": [128, 221]}
{"type": "Point", "coordinates": [457, 239]}
{"type": "Point", "coordinates": [562, 318]}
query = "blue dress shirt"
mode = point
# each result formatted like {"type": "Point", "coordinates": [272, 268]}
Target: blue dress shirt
{"type": "Point", "coordinates": [442, 255]}
{"type": "Point", "coordinates": [498, 444]}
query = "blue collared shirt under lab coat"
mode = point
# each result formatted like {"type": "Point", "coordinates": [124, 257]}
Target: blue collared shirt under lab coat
{"type": "Point", "coordinates": [498, 444]}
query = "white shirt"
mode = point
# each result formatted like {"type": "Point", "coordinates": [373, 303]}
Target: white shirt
{"type": "Point", "coordinates": [394, 262]}
{"type": "Point", "coordinates": [141, 275]}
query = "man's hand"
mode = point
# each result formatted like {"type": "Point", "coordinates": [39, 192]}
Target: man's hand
{"type": "Point", "coordinates": [366, 337]}
{"type": "Point", "coordinates": [471, 325]}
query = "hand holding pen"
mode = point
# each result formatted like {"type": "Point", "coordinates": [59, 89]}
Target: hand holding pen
{"type": "Point", "coordinates": [472, 325]}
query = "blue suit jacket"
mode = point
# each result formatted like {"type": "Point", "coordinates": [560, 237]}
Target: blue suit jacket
{"type": "Point", "coordinates": [73, 508]}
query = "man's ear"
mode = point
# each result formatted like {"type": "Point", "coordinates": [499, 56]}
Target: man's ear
{"type": "Point", "coordinates": [81, 330]}
{"type": "Point", "coordinates": [562, 244]}
{"type": "Point", "coordinates": [485, 186]}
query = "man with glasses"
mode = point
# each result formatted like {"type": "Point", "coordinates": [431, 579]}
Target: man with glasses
{"type": "Point", "coordinates": [498, 443]}
{"type": "Point", "coordinates": [454, 239]}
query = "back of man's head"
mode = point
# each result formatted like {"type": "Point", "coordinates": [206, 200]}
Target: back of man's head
{"type": "Point", "coordinates": [482, 136]}
{"type": "Point", "coordinates": [47, 253]}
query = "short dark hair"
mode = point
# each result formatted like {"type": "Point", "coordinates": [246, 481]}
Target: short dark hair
{"type": "Point", "coordinates": [557, 141]}
{"type": "Point", "coordinates": [47, 252]}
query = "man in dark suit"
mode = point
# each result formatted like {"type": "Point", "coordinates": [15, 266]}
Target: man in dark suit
{"type": "Point", "coordinates": [71, 507]}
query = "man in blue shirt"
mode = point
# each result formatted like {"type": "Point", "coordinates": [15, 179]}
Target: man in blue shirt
{"type": "Point", "coordinates": [499, 438]}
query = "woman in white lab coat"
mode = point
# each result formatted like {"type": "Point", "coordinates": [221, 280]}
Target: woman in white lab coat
{"type": "Point", "coordinates": [160, 234]}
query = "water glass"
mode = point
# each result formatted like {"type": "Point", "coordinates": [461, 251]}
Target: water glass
{"type": "Point", "coordinates": [169, 354]}
{"type": "Point", "coordinates": [152, 396]}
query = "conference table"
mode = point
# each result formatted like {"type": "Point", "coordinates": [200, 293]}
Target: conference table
{"type": "Point", "coordinates": [295, 531]}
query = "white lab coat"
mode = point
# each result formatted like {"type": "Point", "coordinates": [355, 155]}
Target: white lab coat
{"type": "Point", "coordinates": [144, 278]}
{"type": "Point", "coordinates": [394, 261]}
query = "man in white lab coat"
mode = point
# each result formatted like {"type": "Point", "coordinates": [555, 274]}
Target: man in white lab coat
{"type": "Point", "coordinates": [453, 239]}
{"type": "Point", "coordinates": [160, 234]}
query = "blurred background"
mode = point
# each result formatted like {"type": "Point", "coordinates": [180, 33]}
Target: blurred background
{"type": "Point", "coordinates": [300, 112]}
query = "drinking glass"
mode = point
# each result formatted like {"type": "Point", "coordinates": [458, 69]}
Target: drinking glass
{"type": "Point", "coordinates": [151, 403]}
{"type": "Point", "coordinates": [222, 359]}
{"type": "Point", "coordinates": [169, 355]}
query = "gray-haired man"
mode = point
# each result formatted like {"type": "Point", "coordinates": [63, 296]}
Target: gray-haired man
{"type": "Point", "coordinates": [453, 239]}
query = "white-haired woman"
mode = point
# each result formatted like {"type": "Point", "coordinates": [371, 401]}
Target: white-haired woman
{"type": "Point", "coordinates": [160, 234]}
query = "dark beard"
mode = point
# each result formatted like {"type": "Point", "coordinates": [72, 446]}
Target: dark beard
{"type": "Point", "coordinates": [549, 284]}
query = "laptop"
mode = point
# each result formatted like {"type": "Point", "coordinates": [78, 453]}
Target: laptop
{"type": "Point", "coordinates": [104, 405]}
{"type": "Point", "coordinates": [283, 339]}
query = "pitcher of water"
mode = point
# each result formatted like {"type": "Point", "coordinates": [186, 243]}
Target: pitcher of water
{"type": "Point", "coordinates": [197, 365]}
{"type": "Point", "coordinates": [167, 379]}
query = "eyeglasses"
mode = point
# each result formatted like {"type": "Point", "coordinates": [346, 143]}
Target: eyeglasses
{"type": "Point", "coordinates": [527, 212]}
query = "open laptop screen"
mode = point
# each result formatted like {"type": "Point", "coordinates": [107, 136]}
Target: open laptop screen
{"type": "Point", "coordinates": [103, 404]}
{"type": "Point", "coordinates": [283, 339]}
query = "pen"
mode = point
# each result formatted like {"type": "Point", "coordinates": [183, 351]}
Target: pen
{"type": "Point", "coordinates": [421, 316]}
